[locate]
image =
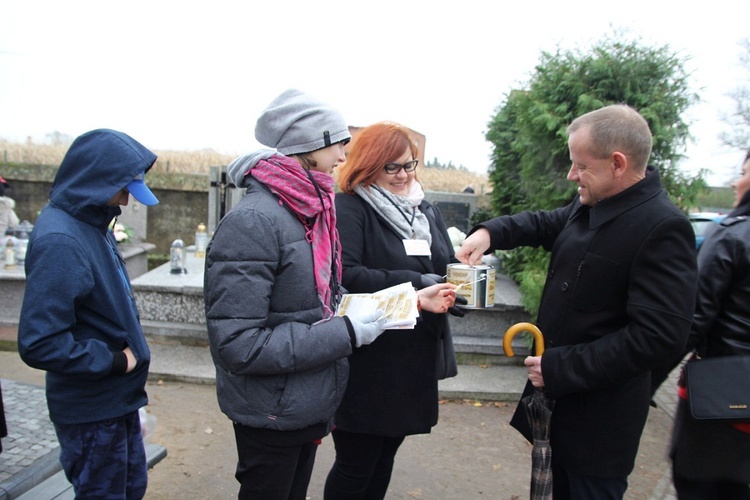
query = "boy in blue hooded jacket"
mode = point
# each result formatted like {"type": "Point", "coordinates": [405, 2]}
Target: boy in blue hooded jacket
{"type": "Point", "coordinates": [79, 320]}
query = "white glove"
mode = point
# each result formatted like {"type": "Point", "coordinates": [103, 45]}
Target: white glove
{"type": "Point", "coordinates": [367, 329]}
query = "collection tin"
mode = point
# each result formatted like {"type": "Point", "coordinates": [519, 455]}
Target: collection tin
{"type": "Point", "coordinates": [476, 284]}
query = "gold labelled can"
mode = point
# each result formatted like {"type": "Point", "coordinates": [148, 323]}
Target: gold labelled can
{"type": "Point", "coordinates": [476, 284]}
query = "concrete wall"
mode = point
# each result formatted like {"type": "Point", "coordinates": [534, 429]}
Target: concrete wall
{"type": "Point", "coordinates": [13, 281]}
{"type": "Point", "coordinates": [183, 204]}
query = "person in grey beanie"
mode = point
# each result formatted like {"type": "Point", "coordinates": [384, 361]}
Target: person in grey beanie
{"type": "Point", "coordinates": [271, 288]}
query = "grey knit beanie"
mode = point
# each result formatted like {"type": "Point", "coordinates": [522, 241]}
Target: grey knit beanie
{"type": "Point", "coordinates": [296, 123]}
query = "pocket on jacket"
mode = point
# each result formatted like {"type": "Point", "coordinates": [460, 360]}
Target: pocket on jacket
{"type": "Point", "coordinates": [310, 397]}
{"type": "Point", "coordinates": [268, 391]}
{"type": "Point", "coordinates": [140, 349]}
{"type": "Point", "coordinates": [596, 279]}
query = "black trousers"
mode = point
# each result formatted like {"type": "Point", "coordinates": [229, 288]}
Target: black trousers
{"type": "Point", "coordinates": [566, 485]}
{"type": "Point", "coordinates": [363, 466]}
{"type": "Point", "coordinates": [272, 471]}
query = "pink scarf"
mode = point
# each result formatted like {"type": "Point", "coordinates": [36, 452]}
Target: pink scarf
{"type": "Point", "coordinates": [310, 195]}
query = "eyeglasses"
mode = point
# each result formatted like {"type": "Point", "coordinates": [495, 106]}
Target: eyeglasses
{"type": "Point", "coordinates": [394, 168]}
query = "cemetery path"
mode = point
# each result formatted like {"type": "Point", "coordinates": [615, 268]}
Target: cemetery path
{"type": "Point", "coordinates": [471, 453]}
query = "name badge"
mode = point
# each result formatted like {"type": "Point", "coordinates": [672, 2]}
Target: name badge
{"type": "Point", "coordinates": [417, 247]}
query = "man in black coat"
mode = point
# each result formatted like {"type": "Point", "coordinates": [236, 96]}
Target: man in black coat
{"type": "Point", "coordinates": [617, 303]}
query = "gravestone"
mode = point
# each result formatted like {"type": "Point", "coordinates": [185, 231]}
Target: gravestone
{"type": "Point", "coordinates": [222, 196]}
{"type": "Point", "coordinates": [135, 217]}
{"type": "Point", "coordinates": [455, 213]}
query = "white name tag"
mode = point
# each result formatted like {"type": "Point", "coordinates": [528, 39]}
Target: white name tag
{"type": "Point", "coordinates": [417, 247]}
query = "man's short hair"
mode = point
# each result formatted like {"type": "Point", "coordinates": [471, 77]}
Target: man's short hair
{"type": "Point", "coordinates": [617, 127]}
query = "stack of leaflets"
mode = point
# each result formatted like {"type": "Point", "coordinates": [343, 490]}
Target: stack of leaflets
{"type": "Point", "coordinates": [399, 304]}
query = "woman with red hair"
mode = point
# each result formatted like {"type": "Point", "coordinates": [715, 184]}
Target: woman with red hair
{"type": "Point", "coordinates": [389, 235]}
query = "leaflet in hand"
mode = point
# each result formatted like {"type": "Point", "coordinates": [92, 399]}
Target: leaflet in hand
{"type": "Point", "coordinates": [399, 303]}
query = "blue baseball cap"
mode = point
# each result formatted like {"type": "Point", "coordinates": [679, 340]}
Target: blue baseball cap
{"type": "Point", "coordinates": [141, 192]}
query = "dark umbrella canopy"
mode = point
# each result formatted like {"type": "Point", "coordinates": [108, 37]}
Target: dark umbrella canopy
{"type": "Point", "coordinates": [539, 412]}
{"type": "Point", "coordinates": [538, 409]}
{"type": "Point", "coordinates": [3, 426]}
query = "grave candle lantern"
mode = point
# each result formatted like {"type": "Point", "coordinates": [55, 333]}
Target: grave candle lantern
{"type": "Point", "coordinates": [177, 257]}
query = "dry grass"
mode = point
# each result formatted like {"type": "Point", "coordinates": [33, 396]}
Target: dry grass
{"type": "Point", "coordinates": [452, 181]}
{"type": "Point", "coordinates": [432, 179]}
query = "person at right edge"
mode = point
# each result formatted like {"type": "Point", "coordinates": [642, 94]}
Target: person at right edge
{"type": "Point", "coordinates": [618, 299]}
{"type": "Point", "coordinates": [711, 460]}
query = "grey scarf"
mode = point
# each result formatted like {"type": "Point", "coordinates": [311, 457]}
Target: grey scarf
{"type": "Point", "coordinates": [401, 213]}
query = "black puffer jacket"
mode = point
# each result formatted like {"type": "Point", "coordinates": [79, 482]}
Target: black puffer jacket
{"type": "Point", "coordinates": [279, 365]}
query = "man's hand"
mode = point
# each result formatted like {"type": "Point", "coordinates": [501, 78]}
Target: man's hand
{"type": "Point", "coordinates": [437, 298]}
{"type": "Point", "coordinates": [474, 246]}
{"type": "Point", "coordinates": [534, 363]}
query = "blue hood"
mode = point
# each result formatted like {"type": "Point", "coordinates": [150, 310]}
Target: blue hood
{"type": "Point", "coordinates": [97, 165]}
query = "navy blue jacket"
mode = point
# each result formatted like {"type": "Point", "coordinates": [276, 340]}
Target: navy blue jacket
{"type": "Point", "coordinates": [78, 311]}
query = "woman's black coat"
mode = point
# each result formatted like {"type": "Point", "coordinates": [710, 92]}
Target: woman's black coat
{"type": "Point", "coordinates": [393, 385]}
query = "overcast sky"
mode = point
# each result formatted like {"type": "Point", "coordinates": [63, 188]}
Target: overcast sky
{"type": "Point", "coordinates": [188, 75]}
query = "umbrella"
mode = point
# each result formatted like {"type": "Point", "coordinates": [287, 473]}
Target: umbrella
{"type": "Point", "coordinates": [538, 409]}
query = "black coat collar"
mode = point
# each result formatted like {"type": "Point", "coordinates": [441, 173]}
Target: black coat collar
{"type": "Point", "coordinates": [638, 193]}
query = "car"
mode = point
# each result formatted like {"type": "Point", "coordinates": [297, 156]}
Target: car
{"type": "Point", "coordinates": [702, 223]}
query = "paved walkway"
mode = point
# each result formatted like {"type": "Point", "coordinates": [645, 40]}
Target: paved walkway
{"type": "Point", "coordinates": [30, 452]}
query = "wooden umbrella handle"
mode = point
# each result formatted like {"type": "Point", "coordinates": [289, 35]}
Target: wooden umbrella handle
{"type": "Point", "coordinates": [521, 327]}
